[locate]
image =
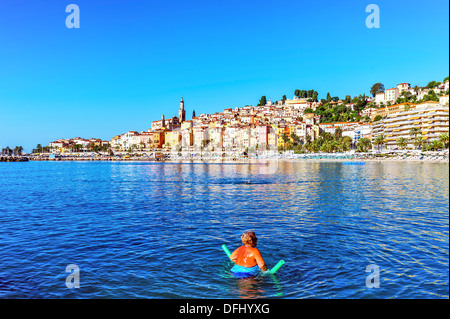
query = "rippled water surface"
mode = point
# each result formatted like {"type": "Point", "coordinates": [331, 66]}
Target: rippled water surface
{"type": "Point", "coordinates": [155, 230]}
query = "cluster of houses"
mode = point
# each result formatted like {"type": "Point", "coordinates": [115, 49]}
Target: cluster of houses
{"type": "Point", "coordinates": [270, 126]}
{"type": "Point", "coordinates": [77, 144]}
{"type": "Point", "coordinates": [391, 95]}
{"type": "Point", "coordinates": [239, 129]}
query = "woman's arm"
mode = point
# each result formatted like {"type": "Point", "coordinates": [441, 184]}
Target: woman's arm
{"type": "Point", "coordinates": [259, 260]}
{"type": "Point", "coordinates": [233, 255]}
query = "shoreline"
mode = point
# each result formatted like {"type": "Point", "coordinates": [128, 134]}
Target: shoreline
{"type": "Point", "coordinates": [436, 156]}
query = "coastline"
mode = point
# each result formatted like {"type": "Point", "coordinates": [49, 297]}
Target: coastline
{"type": "Point", "coordinates": [440, 157]}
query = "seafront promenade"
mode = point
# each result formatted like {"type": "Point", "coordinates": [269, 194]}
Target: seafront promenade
{"type": "Point", "coordinates": [217, 157]}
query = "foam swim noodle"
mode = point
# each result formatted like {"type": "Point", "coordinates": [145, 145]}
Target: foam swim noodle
{"type": "Point", "coordinates": [277, 266]}
{"type": "Point", "coordinates": [224, 247]}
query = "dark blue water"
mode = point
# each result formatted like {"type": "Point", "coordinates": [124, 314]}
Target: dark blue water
{"type": "Point", "coordinates": [151, 230]}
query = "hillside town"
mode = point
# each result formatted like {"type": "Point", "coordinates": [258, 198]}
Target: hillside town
{"type": "Point", "coordinates": [402, 117]}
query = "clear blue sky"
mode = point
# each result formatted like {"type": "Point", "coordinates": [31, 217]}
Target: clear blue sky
{"type": "Point", "coordinates": [132, 60]}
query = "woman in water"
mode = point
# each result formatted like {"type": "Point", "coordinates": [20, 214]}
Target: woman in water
{"type": "Point", "coordinates": [247, 258]}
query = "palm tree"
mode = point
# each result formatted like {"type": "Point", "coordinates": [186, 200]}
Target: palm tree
{"type": "Point", "coordinates": [444, 139]}
{"type": "Point", "coordinates": [402, 142]}
{"type": "Point", "coordinates": [418, 141]}
{"type": "Point", "coordinates": [308, 138]}
{"type": "Point", "coordinates": [363, 144]}
{"type": "Point", "coordinates": [295, 139]}
{"type": "Point", "coordinates": [285, 138]}
{"type": "Point", "coordinates": [6, 151]}
{"type": "Point", "coordinates": [436, 144]}
{"type": "Point", "coordinates": [38, 148]}
{"type": "Point", "coordinates": [18, 150]}
{"type": "Point", "coordinates": [380, 141]}
{"type": "Point", "coordinates": [315, 145]}
{"type": "Point", "coordinates": [308, 146]}
{"type": "Point", "coordinates": [414, 133]}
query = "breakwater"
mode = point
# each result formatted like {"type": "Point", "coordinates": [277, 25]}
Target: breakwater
{"type": "Point", "coordinates": [14, 159]}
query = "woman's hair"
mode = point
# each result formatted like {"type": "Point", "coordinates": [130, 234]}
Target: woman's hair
{"type": "Point", "coordinates": [249, 238]}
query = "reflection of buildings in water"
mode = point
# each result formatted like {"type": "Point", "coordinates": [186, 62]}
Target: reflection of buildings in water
{"type": "Point", "coordinates": [253, 287]}
{"type": "Point", "coordinates": [405, 178]}
{"type": "Point", "coordinates": [248, 288]}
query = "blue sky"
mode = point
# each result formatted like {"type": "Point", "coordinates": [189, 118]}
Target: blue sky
{"type": "Point", "coordinates": [132, 60]}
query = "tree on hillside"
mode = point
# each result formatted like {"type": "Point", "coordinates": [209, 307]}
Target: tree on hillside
{"type": "Point", "coordinates": [315, 96]}
{"type": "Point", "coordinates": [431, 96]}
{"type": "Point", "coordinates": [431, 84]}
{"type": "Point", "coordinates": [262, 101]}
{"type": "Point", "coordinates": [377, 118]}
{"type": "Point", "coordinates": [348, 99]}
{"type": "Point", "coordinates": [328, 97]}
{"type": "Point", "coordinates": [377, 88]}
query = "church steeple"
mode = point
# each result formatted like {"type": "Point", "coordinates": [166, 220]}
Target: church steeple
{"type": "Point", "coordinates": [181, 112]}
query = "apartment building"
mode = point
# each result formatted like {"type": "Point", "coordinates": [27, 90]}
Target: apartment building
{"type": "Point", "coordinates": [386, 110]}
{"type": "Point", "coordinates": [431, 118]}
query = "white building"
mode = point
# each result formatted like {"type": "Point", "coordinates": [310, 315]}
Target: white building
{"type": "Point", "coordinates": [403, 87]}
{"type": "Point", "coordinates": [391, 95]}
{"type": "Point", "coordinates": [379, 98]}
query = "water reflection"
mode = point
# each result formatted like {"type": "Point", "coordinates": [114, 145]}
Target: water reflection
{"type": "Point", "coordinates": [165, 224]}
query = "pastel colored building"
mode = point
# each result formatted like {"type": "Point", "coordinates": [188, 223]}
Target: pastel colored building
{"type": "Point", "coordinates": [391, 95]}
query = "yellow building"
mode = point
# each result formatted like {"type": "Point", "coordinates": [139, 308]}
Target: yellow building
{"type": "Point", "coordinates": [280, 130]}
{"type": "Point", "coordinates": [384, 111]}
{"type": "Point", "coordinates": [172, 138]}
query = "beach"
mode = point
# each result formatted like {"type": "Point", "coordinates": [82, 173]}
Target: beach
{"type": "Point", "coordinates": [217, 157]}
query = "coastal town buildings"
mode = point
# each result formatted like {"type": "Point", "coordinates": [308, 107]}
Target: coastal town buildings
{"type": "Point", "coordinates": [275, 125]}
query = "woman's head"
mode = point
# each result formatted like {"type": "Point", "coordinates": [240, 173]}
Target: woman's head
{"type": "Point", "coordinates": [249, 238]}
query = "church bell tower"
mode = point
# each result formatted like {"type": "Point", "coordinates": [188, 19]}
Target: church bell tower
{"type": "Point", "coordinates": [181, 112]}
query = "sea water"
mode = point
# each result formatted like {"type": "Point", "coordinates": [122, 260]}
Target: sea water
{"type": "Point", "coordinates": [155, 230]}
